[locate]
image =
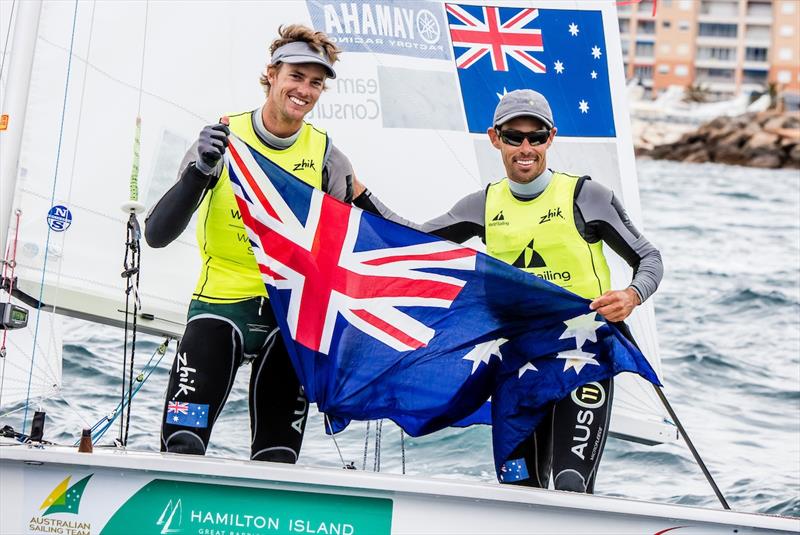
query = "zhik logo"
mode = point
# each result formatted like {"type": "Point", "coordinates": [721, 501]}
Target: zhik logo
{"type": "Point", "coordinates": [304, 164]}
{"type": "Point", "coordinates": [550, 215]}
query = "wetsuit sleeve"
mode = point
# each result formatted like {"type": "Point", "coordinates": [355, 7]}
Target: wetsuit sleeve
{"type": "Point", "coordinates": [337, 180]}
{"type": "Point", "coordinates": [599, 215]}
{"type": "Point", "coordinates": [172, 213]}
{"type": "Point", "coordinates": [464, 220]}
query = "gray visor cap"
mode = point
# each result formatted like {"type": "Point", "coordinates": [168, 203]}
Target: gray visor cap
{"type": "Point", "coordinates": [301, 52]}
{"type": "Point", "coordinates": [523, 103]}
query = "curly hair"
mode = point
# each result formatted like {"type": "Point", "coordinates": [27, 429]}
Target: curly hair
{"type": "Point", "coordinates": [319, 41]}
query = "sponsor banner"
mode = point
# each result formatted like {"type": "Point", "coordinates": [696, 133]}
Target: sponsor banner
{"type": "Point", "coordinates": [122, 502]}
{"type": "Point", "coordinates": [164, 506]}
{"type": "Point", "coordinates": [398, 27]}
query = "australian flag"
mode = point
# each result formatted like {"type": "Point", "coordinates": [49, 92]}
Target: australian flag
{"type": "Point", "coordinates": [559, 53]}
{"type": "Point", "coordinates": [187, 414]}
{"type": "Point", "coordinates": [384, 321]}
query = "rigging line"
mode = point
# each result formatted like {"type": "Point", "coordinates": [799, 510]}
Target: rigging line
{"type": "Point", "coordinates": [366, 447]}
{"type": "Point", "coordinates": [403, 450]}
{"type": "Point", "coordinates": [8, 35]}
{"type": "Point", "coordinates": [137, 253]}
{"type": "Point", "coordinates": [329, 429]}
{"type": "Point", "coordinates": [376, 465]}
{"type": "Point", "coordinates": [144, 50]}
{"type": "Point", "coordinates": [156, 96]}
{"type": "Point", "coordinates": [52, 200]}
{"type": "Point", "coordinates": [73, 408]}
{"type": "Point", "coordinates": [71, 182]}
{"type": "Point", "coordinates": [146, 371]}
{"type": "Point", "coordinates": [125, 332]}
{"type": "Point", "coordinates": [688, 441]}
{"type": "Point", "coordinates": [6, 263]}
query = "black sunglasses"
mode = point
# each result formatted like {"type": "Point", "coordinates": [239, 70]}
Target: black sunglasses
{"type": "Point", "coordinates": [515, 139]}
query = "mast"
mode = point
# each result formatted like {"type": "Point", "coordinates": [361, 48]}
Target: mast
{"type": "Point", "coordinates": [15, 104]}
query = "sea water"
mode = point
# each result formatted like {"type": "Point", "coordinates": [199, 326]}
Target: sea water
{"type": "Point", "coordinates": [728, 315]}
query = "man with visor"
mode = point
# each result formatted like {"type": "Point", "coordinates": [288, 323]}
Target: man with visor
{"type": "Point", "coordinates": [553, 225]}
{"type": "Point", "coordinates": [230, 321]}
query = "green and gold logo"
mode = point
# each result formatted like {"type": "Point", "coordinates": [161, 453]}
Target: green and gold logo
{"type": "Point", "coordinates": [65, 499]}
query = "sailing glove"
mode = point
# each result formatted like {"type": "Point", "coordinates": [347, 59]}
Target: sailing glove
{"type": "Point", "coordinates": [211, 146]}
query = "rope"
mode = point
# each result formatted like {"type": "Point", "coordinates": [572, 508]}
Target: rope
{"type": "Point", "coordinates": [143, 376]}
{"type": "Point", "coordinates": [8, 35]}
{"type": "Point", "coordinates": [403, 450]}
{"type": "Point", "coordinates": [52, 201]}
{"type": "Point", "coordinates": [376, 465]}
{"type": "Point", "coordinates": [366, 447]}
{"type": "Point", "coordinates": [134, 235]}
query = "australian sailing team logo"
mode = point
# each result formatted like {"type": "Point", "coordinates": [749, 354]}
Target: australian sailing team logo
{"type": "Point", "coordinates": [64, 498]}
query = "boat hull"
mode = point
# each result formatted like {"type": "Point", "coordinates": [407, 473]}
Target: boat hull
{"type": "Point", "coordinates": [61, 491]}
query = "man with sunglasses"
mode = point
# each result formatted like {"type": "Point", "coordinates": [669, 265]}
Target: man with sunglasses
{"type": "Point", "coordinates": [553, 225]}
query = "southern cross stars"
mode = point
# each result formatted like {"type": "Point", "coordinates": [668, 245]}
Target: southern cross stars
{"type": "Point", "coordinates": [527, 367]}
{"type": "Point", "coordinates": [594, 75]}
{"type": "Point", "coordinates": [577, 359]}
{"type": "Point", "coordinates": [484, 351]}
{"type": "Point", "coordinates": [573, 29]}
{"type": "Point", "coordinates": [596, 52]}
{"type": "Point", "coordinates": [559, 67]}
{"type": "Point", "coordinates": [582, 328]}
{"type": "Point", "coordinates": [584, 106]}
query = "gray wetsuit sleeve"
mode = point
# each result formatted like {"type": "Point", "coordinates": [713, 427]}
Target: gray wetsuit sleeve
{"type": "Point", "coordinates": [464, 220]}
{"type": "Point", "coordinates": [170, 216]}
{"type": "Point", "coordinates": [599, 215]}
{"type": "Point", "coordinates": [337, 180]}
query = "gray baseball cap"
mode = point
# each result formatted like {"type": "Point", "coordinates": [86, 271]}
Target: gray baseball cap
{"type": "Point", "coordinates": [523, 103]}
{"type": "Point", "coordinates": [302, 52]}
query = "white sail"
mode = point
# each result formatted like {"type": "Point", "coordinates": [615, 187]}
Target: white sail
{"type": "Point", "coordinates": [398, 117]}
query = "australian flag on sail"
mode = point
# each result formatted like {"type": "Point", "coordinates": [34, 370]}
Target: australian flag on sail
{"type": "Point", "coordinates": [559, 53]}
{"type": "Point", "coordinates": [384, 321]}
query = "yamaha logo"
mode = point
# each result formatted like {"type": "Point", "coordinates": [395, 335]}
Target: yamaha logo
{"type": "Point", "coordinates": [589, 396]}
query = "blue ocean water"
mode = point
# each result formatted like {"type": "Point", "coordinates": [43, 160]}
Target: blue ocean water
{"type": "Point", "coordinates": [728, 314]}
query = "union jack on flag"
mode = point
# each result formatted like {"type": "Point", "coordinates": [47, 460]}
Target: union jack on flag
{"type": "Point", "coordinates": [178, 407]}
{"type": "Point", "coordinates": [317, 261]}
{"type": "Point", "coordinates": [383, 321]}
{"type": "Point", "coordinates": [488, 34]}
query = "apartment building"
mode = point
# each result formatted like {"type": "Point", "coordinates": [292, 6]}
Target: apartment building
{"type": "Point", "coordinates": [728, 47]}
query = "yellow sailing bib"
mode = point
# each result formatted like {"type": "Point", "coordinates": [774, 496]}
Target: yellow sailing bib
{"type": "Point", "coordinates": [229, 272]}
{"type": "Point", "coordinates": [540, 237]}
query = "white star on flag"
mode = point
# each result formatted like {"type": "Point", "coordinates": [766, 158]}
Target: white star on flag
{"type": "Point", "coordinates": [582, 328]}
{"type": "Point", "coordinates": [594, 75]}
{"type": "Point", "coordinates": [527, 367]}
{"type": "Point", "coordinates": [573, 29]}
{"type": "Point", "coordinates": [483, 352]}
{"type": "Point", "coordinates": [577, 359]}
{"type": "Point", "coordinates": [559, 67]}
{"type": "Point", "coordinates": [500, 96]}
{"type": "Point", "coordinates": [584, 106]}
{"type": "Point", "coordinates": [596, 52]}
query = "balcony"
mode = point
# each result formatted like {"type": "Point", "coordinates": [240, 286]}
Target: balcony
{"type": "Point", "coordinates": [760, 12]}
{"type": "Point", "coordinates": [715, 63]}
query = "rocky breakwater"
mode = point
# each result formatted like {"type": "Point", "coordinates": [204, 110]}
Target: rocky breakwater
{"type": "Point", "coordinates": [767, 139]}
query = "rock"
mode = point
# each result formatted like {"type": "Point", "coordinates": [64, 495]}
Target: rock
{"type": "Point", "coordinates": [766, 161]}
{"type": "Point", "coordinates": [761, 141]}
{"type": "Point", "coordinates": [698, 156]}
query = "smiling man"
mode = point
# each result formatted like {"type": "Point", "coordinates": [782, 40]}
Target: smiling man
{"type": "Point", "coordinates": [229, 320]}
{"type": "Point", "coordinates": [553, 226]}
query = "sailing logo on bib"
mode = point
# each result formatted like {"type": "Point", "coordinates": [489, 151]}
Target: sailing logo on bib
{"type": "Point", "coordinates": [59, 218]}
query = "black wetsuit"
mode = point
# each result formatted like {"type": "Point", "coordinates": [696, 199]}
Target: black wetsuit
{"type": "Point", "coordinates": [219, 338]}
{"type": "Point", "coordinates": [569, 441]}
